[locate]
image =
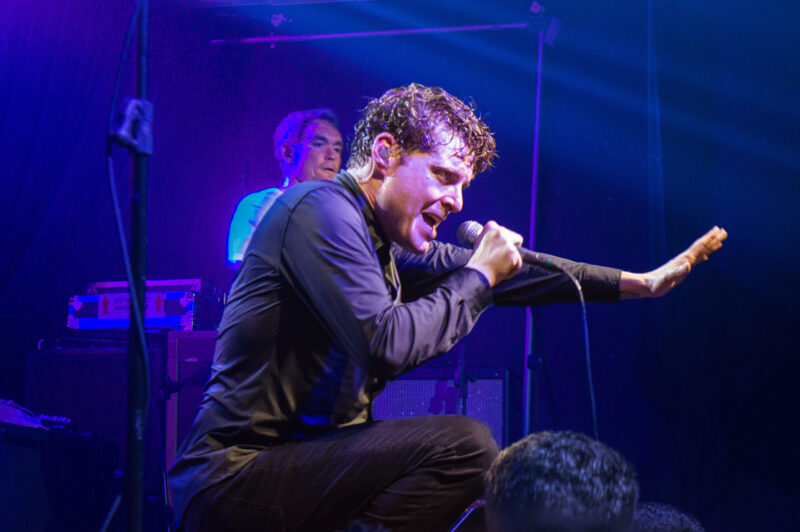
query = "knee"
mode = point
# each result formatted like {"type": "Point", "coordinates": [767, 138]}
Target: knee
{"type": "Point", "coordinates": [471, 438]}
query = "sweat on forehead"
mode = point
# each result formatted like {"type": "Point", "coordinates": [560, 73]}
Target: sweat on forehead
{"type": "Point", "coordinates": [448, 145]}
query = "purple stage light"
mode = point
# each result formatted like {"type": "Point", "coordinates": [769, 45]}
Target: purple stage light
{"type": "Point", "coordinates": [272, 39]}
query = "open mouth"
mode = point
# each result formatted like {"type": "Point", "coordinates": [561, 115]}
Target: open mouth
{"type": "Point", "coordinates": [430, 219]}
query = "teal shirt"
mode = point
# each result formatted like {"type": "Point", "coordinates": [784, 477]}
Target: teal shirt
{"type": "Point", "coordinates": [245, 219]}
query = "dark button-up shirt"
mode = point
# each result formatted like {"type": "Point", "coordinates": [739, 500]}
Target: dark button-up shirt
{"type": "Point", "coordinates": [324, 310]}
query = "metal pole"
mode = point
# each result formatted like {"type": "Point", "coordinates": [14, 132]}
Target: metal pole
{"type": "Point", "coordinates": [136, 351]}
{"type": "Point", "coordinates": [528, 396]}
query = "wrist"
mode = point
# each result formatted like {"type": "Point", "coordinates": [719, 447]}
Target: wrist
{"type": "Point", "coordinates": [633, 286]}
{"type": "Point", "coordinates": [486, 272]}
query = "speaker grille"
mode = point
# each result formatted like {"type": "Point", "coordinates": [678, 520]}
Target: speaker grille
{"type": "Point", "coordinates": [426, 396]}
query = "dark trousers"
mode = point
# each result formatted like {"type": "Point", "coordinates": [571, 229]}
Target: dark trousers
{"type": "Point", "coordinates": [415, 474]}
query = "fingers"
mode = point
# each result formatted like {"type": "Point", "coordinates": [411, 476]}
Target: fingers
{"type": "Point", "coordinates": [515, 238]}
{"type": "Point", "coordinates": [489, 228]}
{"type": "Point", "coordinates": [712, 240]}
{"type": "Point", "coordinates": [512, 240]}
{"type": "Point", "coordinates": [707, 244]}
{"type": "Point", "coordinates": [512, 237]}
{"type": "Point", "coordinates": [516, 261]}
{"type": "Point", "coordinates": [496, 253]}
{"type": "Point", "coordinates": [668, 276]}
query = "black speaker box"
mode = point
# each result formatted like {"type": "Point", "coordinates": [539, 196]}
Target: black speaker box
{"type": "Point", "coordinates": [487, 395]}
{"type": "Point", "coordinates": [89, 386]}
{"type": "Point", "coordinates": [54, 481]}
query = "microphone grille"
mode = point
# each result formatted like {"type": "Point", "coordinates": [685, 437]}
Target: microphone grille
{"type": "Point", "coordinates": [468, 232]}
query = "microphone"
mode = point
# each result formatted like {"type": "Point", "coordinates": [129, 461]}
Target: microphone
{"type": "Point", "coordinates": [468, 232]}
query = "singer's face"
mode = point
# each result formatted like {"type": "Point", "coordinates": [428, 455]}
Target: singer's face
{"type": "Point", "coordinates": [420, 191]}
{"type": "Point", "coordinates": [318, 155]}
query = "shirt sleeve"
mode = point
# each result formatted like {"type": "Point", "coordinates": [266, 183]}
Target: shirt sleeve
{"type": "Point", "coordinates": [534, 285]}
{"type": "Point", "coordinates": [241, 228]}
{"type": "Point", "coordinates": [248, 215]}
{"type": "Point", "coordinates": [328, 257]}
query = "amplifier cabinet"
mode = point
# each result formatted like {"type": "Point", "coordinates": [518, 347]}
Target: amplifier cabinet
{"type": "Point", "coordinates": [492, 395]}
{"type": "Point", "coordinates": [54, 481]}
{"type": "Point", "coordinates": [189, 358]}
{"type": "Point", "coordinates": [425, 392]}
{"type": "Point", "coordinates": [88, 385]}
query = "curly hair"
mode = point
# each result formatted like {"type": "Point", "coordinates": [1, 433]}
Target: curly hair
{"type": "Point", "coordinates": [656, 517]}
{"type": "Point", "coordinates": [410, 115]}
{"type": "Point", "coordinates": [561, 481]}
{"type": "Point", "coordinates": [293, 125]}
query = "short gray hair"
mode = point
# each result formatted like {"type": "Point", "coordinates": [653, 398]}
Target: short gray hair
{"type": "Point", "coordinates": [293, 125]}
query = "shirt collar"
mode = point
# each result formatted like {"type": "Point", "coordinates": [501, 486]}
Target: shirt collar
{"type": "Point", "coordinates": [376, 233]}
{"type": "Point", "coordinates": [380, 241]}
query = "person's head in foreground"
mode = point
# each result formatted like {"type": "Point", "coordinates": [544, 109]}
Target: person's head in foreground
{"type": "Point", "coordinates": [415, 150]}
{"type": "Point", "coordinates": [308, 146]}
{"type": "Point", "coordinates": [656, 517]}
{"type": "Point", "coordinates": [560, 481]}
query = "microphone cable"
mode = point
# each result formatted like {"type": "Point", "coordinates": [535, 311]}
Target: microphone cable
{"type": "Point", "coordinates": [589, 378]}
{"type": "Point", "coordinates": [467, 233]}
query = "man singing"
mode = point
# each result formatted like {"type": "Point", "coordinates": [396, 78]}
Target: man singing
{"type": "Point", "coordinates": [343, 288]}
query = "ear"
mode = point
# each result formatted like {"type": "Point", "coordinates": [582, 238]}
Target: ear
{"type": "Point", "coordinates": [287, 153]}
{"type": "Point", "coordinates": [385, 152]}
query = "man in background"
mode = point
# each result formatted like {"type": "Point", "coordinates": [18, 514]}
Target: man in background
{"type": "Point", "coordinates": [308, 146]}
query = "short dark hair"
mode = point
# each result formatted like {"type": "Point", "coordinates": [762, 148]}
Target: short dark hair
{"type": "Point", "coordinates": [561, 481]}
{"type": "Point", "coordinates": [657, 517]}
{"type": "Point", "coordinates": [294, 125]}
{"type": "Point", "coordinates": [361, 526]}
{"type": "Point", "coordinates": [410, 114]}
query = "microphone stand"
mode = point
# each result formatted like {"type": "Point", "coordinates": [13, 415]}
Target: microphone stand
{"type": "Point", "coordinates": [135, 134]}
{"type": "Point", "coordinates": [137, 400]}
{"type": "Point", "coordinates": [462, 379]}
{"type": "Point", "coordinates": [546, 30]}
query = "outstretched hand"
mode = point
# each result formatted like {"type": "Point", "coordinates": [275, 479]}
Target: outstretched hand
{"type": "Point", "coordinates": [661, 280]}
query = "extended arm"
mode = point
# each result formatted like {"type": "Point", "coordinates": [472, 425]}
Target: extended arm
{"type": "Point", "coordinates": [535, 285]}
{"type": "Point", "coordinates": [658, 282]}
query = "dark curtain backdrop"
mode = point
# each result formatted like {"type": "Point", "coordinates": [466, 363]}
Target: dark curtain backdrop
{"type": "Point", "coordinates": [698, 390]}
{"type": "Point", "coordinates": [57, 68]}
